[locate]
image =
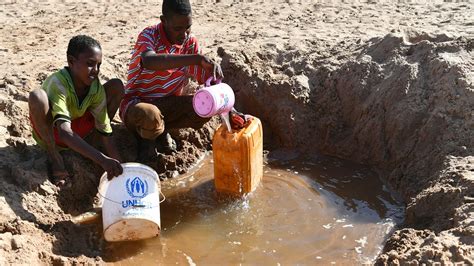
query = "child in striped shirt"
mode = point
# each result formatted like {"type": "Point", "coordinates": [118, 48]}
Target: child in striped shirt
{"type": "Point", "coordinates": [165, 56]}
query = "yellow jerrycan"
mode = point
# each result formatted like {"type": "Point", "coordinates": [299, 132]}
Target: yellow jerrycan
{"type": "Point", "coordinates": [238, 158]}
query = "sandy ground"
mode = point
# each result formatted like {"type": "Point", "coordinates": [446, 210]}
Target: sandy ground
{"type": "Point", "coordinates": [386, 84]}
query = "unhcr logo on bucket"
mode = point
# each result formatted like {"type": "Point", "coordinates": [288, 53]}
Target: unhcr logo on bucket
{"type": "Point", "coordinates": [137, 188]}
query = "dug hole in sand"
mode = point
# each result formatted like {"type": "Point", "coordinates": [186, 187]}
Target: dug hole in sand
{"type": "Point", "coordinates": [398, 97]}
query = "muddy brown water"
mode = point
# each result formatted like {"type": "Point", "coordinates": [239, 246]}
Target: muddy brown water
{"type": "Point", "coordinates": [306, 210]}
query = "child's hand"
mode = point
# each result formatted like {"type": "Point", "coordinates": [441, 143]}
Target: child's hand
{"type": "Point", "coordinates": [112, 167]}
{"type": "Point", "coordinates": [212, 67]}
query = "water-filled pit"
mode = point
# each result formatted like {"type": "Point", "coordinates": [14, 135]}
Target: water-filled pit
{"type": "Point", "coordinates": [306, 210]}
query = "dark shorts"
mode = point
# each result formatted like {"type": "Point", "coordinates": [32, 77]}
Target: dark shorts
{"type": "Point", "coordinates": [150, 118]}
{"type": "Point", "coordinates": [178, 112]}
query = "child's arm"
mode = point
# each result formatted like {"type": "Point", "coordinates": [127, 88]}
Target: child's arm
{"type": "Point", "coordinates": [73, 141]}
{"type": "Point", "coordinates": [153, 61]}
{"type": "Point", "coordinates": [110, 147]}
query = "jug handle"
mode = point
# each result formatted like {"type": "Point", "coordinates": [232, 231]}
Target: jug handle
{"type": "Point", "coordinates": [210, 79]}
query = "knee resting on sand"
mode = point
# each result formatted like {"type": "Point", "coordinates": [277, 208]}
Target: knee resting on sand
{"type": "Point", "coordinates": [146, 119]}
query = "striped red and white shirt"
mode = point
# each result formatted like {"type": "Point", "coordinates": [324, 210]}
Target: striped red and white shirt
{"type": "Point", "coordinates": [144, 85]}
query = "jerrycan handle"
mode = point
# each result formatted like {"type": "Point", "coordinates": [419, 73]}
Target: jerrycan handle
{"type": "Point", "coordinates": [211, 79]}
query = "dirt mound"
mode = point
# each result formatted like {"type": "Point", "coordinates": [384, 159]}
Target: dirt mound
{"type": "Point", "coordinates": [400, 103]}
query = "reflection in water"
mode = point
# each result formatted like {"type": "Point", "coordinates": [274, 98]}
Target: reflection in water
{"type": "Point", "coordinates": [318, 210]}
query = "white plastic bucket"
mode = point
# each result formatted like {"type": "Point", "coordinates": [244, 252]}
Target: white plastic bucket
{"type": "Point", "coordinates": [131, 203]}
{"type": "Point", "coordinates": [213, 99]}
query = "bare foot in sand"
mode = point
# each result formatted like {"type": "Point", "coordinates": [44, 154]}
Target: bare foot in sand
{"type": "Point", "coordinates": [59, 174]}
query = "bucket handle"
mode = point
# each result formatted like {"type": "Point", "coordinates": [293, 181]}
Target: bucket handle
{"type": "Point", "coordinates": [210, 79]}
{"type": "Point", "coordinates": [163, 195]}
{"type": "Point", "coordinates": [138, 206]}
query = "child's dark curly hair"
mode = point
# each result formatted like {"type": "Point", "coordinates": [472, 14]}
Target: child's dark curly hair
{"type": "Point", "coordinates": [81, 43]}
{"type": "Point", "coordinates": [179, 7]}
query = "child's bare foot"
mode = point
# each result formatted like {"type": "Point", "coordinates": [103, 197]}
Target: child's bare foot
{"type": "Point", "coordinates": [166, 144]}
{"type": "Point", "coordinates": [61, 180]}
{"type": "Point", "coordinates": [59, 175]}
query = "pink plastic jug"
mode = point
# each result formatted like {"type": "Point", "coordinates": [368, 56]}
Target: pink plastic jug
{"type": "Point", "coordinates": [213, 99]}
